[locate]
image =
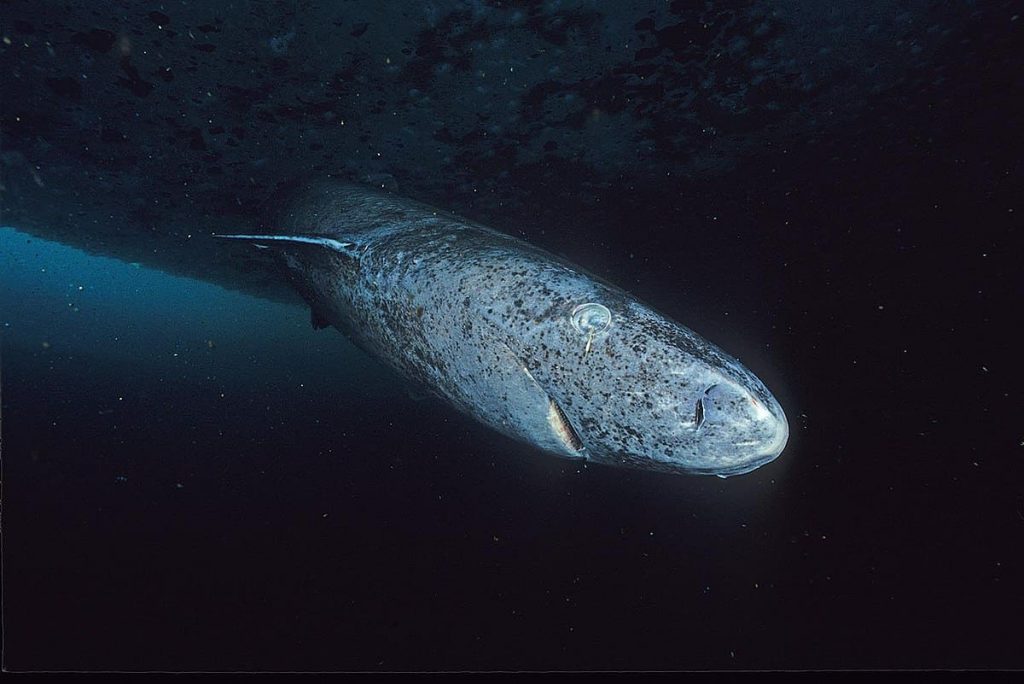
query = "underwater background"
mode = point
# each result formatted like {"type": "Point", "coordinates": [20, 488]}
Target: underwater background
{"type": "Point", "coordinates": [196, 479]}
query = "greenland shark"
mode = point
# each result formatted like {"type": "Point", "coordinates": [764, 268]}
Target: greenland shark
{"type": "Point", "coordinates": [133, 131]}
{"type": "Point", "coordinates": [519, 339]}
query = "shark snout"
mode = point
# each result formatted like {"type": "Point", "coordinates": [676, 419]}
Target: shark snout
{"type": "Point", "coordinates": [743, 429]}
{"type": "Point", "coordinates": [772, 429]}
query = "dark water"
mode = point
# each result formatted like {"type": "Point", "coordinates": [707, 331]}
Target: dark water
{"type": "Point", "coordinates": [195, 479]}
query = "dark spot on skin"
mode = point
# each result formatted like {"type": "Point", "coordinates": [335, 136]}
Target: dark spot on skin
{"type": "Point", "coordinates": [159, 18]}
{"type": "Point", "coordinates": [419, 312]}
{"type": "Point", "coordinates": [359, 29]}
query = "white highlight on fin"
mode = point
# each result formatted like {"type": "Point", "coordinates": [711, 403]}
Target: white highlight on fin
{"type": "Point", "coordinates": [336, 245]}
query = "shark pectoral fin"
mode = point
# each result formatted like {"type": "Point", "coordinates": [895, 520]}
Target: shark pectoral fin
{"type": "Point", "coordinates": [561, 426]}
{"type": "Point", "coordinates": [510, 398]}
{"type": "Point", "coordinates": [545, 420]}
{"type": "Point", "coordinates": [347, 247]}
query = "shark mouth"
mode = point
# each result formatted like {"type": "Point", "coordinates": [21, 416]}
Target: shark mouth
{"type": "Point", "coordinates": [561, 426]}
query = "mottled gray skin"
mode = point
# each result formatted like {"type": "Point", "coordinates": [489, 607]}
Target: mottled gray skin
{"type": "Point", "coordinates": [485, 321]}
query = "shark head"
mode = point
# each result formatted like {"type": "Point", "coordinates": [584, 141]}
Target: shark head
{"type": "Point", "coordinates": [630, 387]}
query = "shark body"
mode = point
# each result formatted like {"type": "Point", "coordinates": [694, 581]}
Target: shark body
{"type": "Point", "coordinates": [521, 340]}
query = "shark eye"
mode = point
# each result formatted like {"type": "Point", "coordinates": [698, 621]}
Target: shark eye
{"type": "Point", "coordinates": [591, 318]}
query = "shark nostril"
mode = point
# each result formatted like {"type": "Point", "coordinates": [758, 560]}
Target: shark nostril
{"type": "Point", "coordinates": [698, 416]}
